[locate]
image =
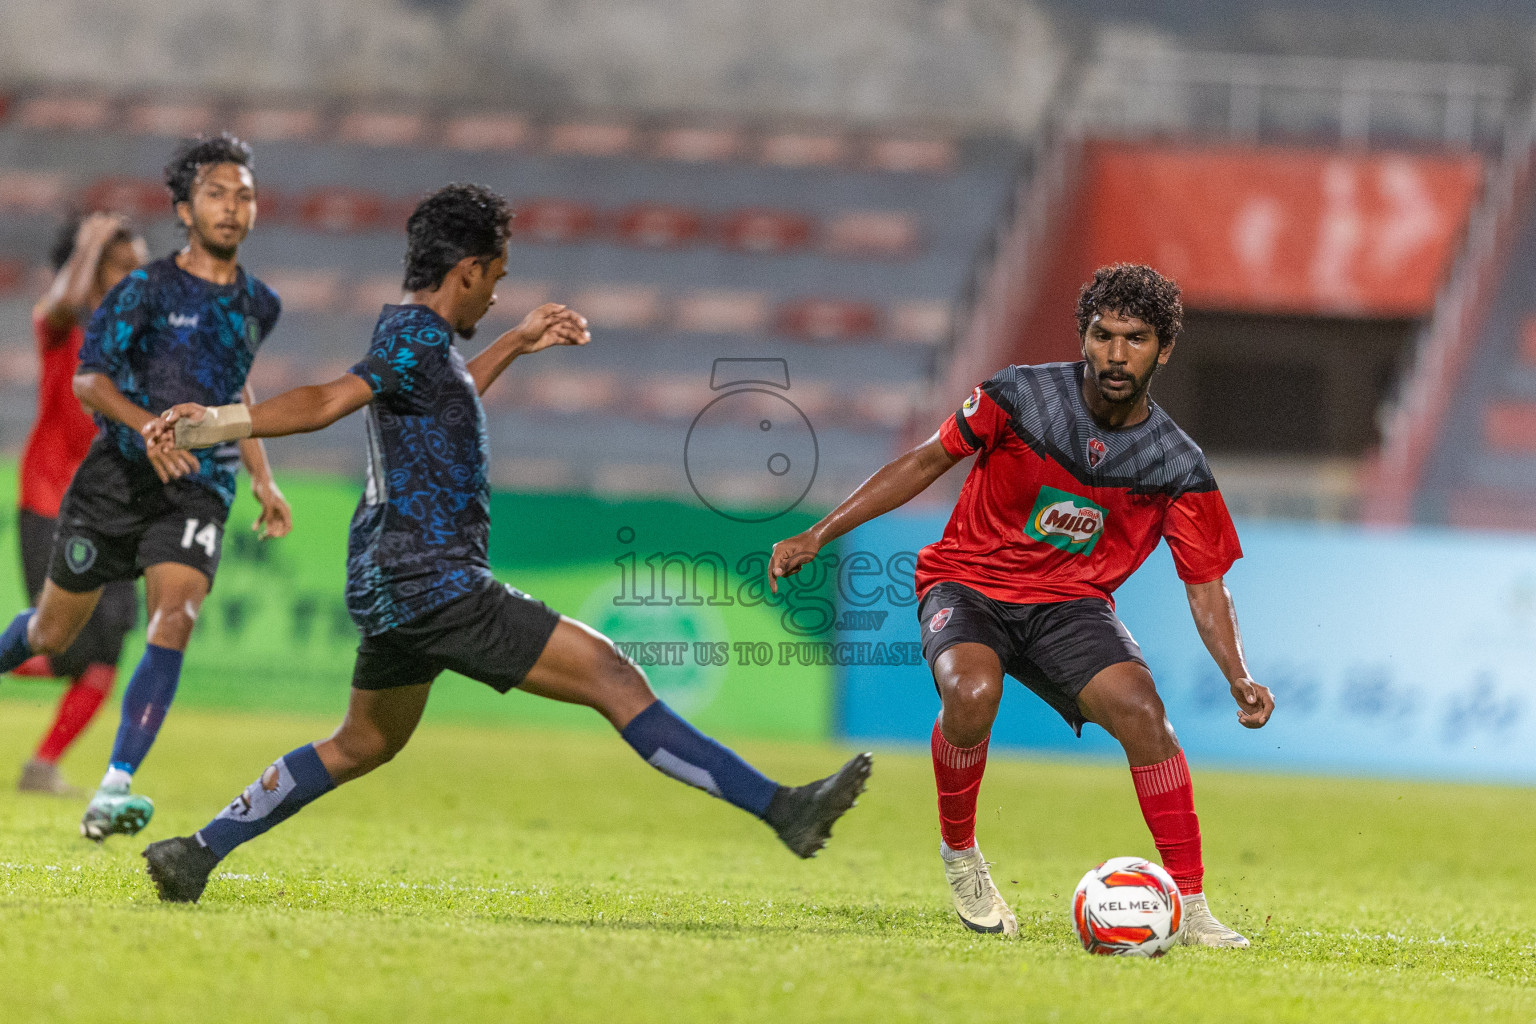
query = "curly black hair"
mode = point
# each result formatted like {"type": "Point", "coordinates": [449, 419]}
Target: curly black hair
{"type": "Point", "coordinates": [1133, 289]}
{"type": "Point", "coordinates": [193, 154]}
{"type": "Point", "coordinates": [456, 221]}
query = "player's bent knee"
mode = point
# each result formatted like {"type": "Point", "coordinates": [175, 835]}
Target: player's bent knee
{"type": "Point", "coordinates": [970, 708]}
{"type": "Point", "coordinates": [49, 638]}
{"type": "Point", "coordinates": [170, 624]}
{"type": "Point", "coordinates": [973, 697]}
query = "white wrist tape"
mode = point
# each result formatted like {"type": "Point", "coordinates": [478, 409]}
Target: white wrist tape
{"type": "Point", "coordinates": [220, 423]}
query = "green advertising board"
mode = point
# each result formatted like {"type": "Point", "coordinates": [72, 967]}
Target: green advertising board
{"type": "Point", "coordinates": [680, 588]}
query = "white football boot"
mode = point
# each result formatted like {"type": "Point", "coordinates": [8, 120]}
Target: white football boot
{"type": "Point", "coordinates": [1201, 929]}
{"type": "Point", "coordinates": [977, 901]}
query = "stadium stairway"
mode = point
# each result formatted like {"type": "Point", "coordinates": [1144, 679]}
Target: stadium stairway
{"type": "Point", "coordinates": [1482, 473]}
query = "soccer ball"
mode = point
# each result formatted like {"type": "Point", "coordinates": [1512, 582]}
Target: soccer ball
{"type": "Point", "coordinates": [1127, 906]}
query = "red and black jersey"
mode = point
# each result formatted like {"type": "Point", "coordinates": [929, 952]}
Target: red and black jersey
{"type": "Point", "coordinates": [1058, 507]}
{"type": "Point", "coordinates": [62, 433]}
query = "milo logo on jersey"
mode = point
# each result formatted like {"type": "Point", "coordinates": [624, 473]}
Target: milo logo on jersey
{"type": "Point", "coordinates": [1065, 521]}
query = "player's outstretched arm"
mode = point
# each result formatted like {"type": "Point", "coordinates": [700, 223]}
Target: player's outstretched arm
{"type": "Point", "coordinates": [1216, 619]}
{"type": "Point", "coordinates": [300, 411]}
{"type": "Point", "coordinates": [893, 485]}
{"type": "Point", "coordinates": [550, 324]}
{"type": "Point", "coordinates": [68, 297]}
{"type": "Point", "coordinates": [276, 519]}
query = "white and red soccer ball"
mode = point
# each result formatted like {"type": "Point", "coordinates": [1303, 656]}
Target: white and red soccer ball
{"type": "Point", "coordinates": [1127, 906]}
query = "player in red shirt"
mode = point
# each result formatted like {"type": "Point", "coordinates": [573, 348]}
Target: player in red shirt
{"type": "Point", "coordinates": [88, 260]}
{"type": "Point", "coordinates": [1078, 476]}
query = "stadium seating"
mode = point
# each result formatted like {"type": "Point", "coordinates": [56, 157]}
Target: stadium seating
{"type": "Point", "coordinates": [837, 251]}
{"type": "Point", "coordinates": [1483, 470]}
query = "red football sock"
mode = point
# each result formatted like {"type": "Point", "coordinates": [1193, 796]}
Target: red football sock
{"type": "Point", "coordinates": [76, 709]}
{"type": "Point", "coordinates": [958, 771]}
{"type": "Point", "coordinates": [1168, 803]}
{"type": "Point", "coordinates": [36, 667]}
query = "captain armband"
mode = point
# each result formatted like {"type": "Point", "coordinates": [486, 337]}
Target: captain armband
{"type": "Point", "coordinates": [220, 423]}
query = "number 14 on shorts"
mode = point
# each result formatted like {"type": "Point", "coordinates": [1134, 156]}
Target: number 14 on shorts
{"type": "Point", "coordinates": [207, 538]}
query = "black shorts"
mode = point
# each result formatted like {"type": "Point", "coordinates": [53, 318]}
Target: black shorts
{"type": "Point", "coordinates": [117, 519]}
{"type": "Point", "coordinates": [1054, 649]}
{"type": "Point", "coordinates": [101, 640]}
{"type": "Point", "coordinates": [493, 635]}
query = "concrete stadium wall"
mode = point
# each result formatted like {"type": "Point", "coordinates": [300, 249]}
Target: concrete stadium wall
{"type": "Point", "coordinates": [972, 62]}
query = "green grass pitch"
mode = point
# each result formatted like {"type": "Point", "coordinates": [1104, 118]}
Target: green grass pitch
{"type": "Point", "coordinates": [499, 875]}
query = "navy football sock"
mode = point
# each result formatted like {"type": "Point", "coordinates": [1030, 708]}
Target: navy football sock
{"type": "Point", "coordinates": [14, 648]}
{"type": "Point", "coordinates": [292, 781]}
{"type": "Point", "coordinates": [145, 703]}
{"type": "Point", "coordinates": [675, 748]}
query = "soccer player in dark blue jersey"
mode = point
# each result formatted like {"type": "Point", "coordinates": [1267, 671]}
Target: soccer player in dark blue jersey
{"type": "Point", "coordinates": [419, 584]}
{"type": "Point", "coordinates": [183, 328]}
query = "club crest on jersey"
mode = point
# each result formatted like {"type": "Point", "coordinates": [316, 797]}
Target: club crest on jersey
{"type": "Point", "coordinates": [1065, 521]}
{"type": "Point", "coordinates": [971, 404]}
{"type": "Point", "coordinates": [940, 619]}
{"type": "Point", "coordinates": [1096, 452]}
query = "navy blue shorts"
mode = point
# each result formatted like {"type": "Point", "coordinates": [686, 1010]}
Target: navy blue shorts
{"type": "Point", "coordinates": [494, 635]}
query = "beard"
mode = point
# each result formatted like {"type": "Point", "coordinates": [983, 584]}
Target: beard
{"type": "Point", "coordinates": [465, 332]}
{"type": "Point", "coordinates": [214, 249]}
{"type": "Point", "coordinates": [1139, 386]}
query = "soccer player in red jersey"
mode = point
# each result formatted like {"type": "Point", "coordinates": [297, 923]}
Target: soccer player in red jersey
{"type": "Point", "coordinates": [1078, 476]}
{"type": "Point", "coordinates": [89, 259]}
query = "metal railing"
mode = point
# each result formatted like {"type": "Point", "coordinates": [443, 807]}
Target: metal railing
{"type": "Point", "coordinates": [1256, 97]}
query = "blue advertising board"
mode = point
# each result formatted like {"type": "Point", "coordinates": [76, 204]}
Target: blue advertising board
{"type": "Point", "coordinates": [1407, 653]}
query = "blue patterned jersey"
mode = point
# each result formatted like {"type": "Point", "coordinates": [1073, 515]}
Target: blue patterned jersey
{"type": "Point", "coordinates": [165, 336]}
{"type": "Point", "coordinates": [419, 535]}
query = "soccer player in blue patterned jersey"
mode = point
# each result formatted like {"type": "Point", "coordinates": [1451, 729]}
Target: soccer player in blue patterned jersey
{"type": "Point", "coordinates": [182, 328]}
{"type": "Point", "coordinates": [419, 584]}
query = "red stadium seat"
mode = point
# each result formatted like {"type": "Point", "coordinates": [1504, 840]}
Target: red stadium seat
{"type": "Point", "coordinates": [657, 226]}
{"type": "Point", "coordinates": [553, 220]}
{"type": "Point", "coordinates": [765, 231]}
{"type": "Point", "coordinates": [65, 113]}
{"type": "Point", "coordinates": [888, 234]}
{"type": "Point", "coordinates": [33, 191]}
{"type": "Point", "coordinates": [309, 291]}
{"type": "Point", "coordinates": [803, 150]}
{"type": "Point", "coordinates": [930, 156]}
{"type": "Point", "coordinates": [342, 210]}
{"type": "Point", "coordinates": [722, 312]}
{"type": "Point", "coordinates": [382, 128]}
{"type": "Point", "coordinates": [171, 120]}
{"type": "Point", "coordinates": [1511, 426]}
{"type": "Point", "coordinates": [571, 392]}
{"type": "Point", "coordinates": [922, 322]}
{"type": "Point", "coordinates": [828, 319]}
{"type": "Point", "coordinates": [591, 139]}
{"type": "Point", "coordinates": [135, 197]}
{"type": "Point", "coordinates": [484, 132]}
{"type": "Point", "coordinates": [698, 145]}
{"type": "Point", "coordinates": [673, 396]}
{"type": "Point", "coordinates": [278, 124]}
{"type": "Point", "coordinates": [618, 306]}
